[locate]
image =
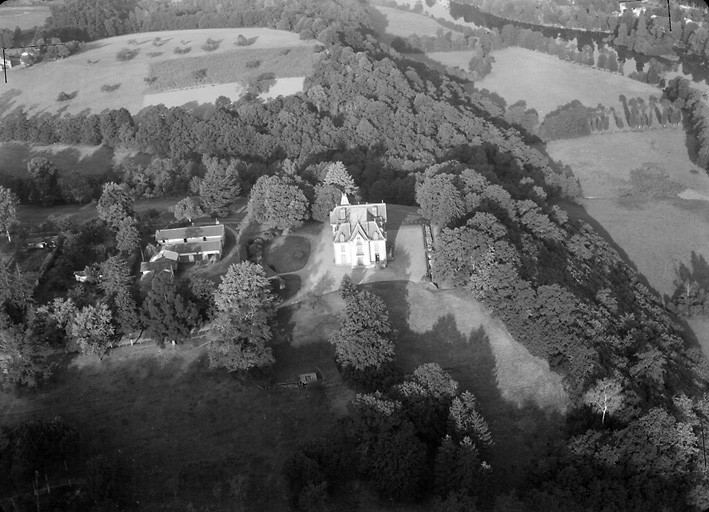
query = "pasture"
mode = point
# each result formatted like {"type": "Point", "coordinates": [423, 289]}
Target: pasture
{"type": "Point", "coordinates": [545, 82]}
{"type": "Point", "coordinates": [399, 23]}
{"type": "Point", "coordinates": [36, 88]}
{"type": "Point", "coordinates": [646, 194]}
{"type": "Point", "coordinates": [25, 17]}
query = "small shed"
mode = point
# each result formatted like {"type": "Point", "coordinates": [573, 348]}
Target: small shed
{"type": "Point", "coordinates": [307, 378]}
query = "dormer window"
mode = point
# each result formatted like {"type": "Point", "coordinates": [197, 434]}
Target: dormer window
{"type": "Point", "coordinates": [374, 211]}
{"type": "Point", "coordinates": [342, 213]}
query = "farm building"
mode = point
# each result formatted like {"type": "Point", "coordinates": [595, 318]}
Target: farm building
{"type": "Point", "coordinates": [7, 64]}
{"type": "Point", "coordinates": [358, 233]}
{"type": "Point", "coordinates": [159, 265]}
{"type": "Point", "coordinates": [193, 243]}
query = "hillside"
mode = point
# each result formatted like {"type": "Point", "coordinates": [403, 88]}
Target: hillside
{"type": "Point", "coordinates": [36, 88]}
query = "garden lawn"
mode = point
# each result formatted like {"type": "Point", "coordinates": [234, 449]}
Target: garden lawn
{"type": "Point", "coordinates": [25, 17]}
{"type": "Point", "coordinates": [518, 394]}
{"type": "Point", "coordinates": [546, 82]}
{"type": "Point", "coordinates": [646, 194]}
{"type": "Point", "coordinates": [287, 253]}
{"type": "Point", "coordinates": [36, 88]}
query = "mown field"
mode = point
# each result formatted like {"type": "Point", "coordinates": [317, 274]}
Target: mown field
{"type": "Point", "coordinates": [546, 82]}
{"type": "Point", "coordinates": [36, 88]}
{"type": "Point", "coordinates": [23, 16]}
{"type": "Point", "coordinates": [646, 194]}
{"type": "Point", "coordinates": [239, 65]}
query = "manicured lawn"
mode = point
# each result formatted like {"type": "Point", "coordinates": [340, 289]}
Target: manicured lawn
{"type": "Point", "coordinates": [36, 88]}
{"type": "Point", "coordinates": [25, 17]}
{"type": "Point", "coordinates": [643, 211]}
{"type": "Point", "coordinates": [546, 82]}
{"type": "Point", "coordinates": [288, 254]}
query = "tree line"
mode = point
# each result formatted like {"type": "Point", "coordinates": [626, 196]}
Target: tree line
{"type": "Point", "coordinates": [693, 103]}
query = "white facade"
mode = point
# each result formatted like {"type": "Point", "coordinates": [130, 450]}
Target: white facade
{"type": "Point", "coordinates": [359, 236]}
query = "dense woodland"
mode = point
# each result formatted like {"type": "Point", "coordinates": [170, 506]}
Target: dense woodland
{"type": "Point", "coordinates": [633, 436]}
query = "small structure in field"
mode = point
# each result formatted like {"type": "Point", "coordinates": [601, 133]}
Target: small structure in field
{"type": "Point", "coordinates": [193, 243]}
{"type": "Point", "coordinates": [81, 276]}
{"type": "Point", "coordinates": [307, 378]}
{"type": "Point", "coordinates": [359, 234]}
{"type": "Point", "coordinates": [6, 64]}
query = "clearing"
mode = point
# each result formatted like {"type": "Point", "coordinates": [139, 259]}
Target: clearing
{"type": "Point", "coordinates": [646, 194]}
{"type": "Point", "coordinates": [25, 17]}
{"type": "Point", "coordinates": [546, 82]}
{"type": "Point", "coordinates": [437, 11]}
{"type": "Point", "coordinates": [399, 23]}
{"type": "Point", "coordinates": [36, 88]}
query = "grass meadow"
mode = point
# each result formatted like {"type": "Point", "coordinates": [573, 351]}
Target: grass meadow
{"type": "Point", "coordinates": [398, 23]}
{"type": "Point", "coordinates": [546, 82]}
{"type": "Point", "coordinates": [36, 88]}
{"type": "Point", "coordinates": [646, 194]}
{"type": "Point", "coordinates": [229, 67]}
{"type": "Point", "coordinates": [24, 17]}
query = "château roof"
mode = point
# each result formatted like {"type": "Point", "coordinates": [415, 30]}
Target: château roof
{"type": "Point", "coordinates": [366, 220]}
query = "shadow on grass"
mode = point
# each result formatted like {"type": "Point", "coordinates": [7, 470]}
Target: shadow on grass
{"type": "Point", "coordinates": [521, 433]}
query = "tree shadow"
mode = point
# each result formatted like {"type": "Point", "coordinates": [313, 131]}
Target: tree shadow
{"type": "Point", "coordinates": [522, 431]}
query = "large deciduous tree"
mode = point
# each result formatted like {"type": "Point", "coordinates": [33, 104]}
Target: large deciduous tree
{"type": "Point", "coordinates": [127, 236]}
{"type": "Point", "coordinates": [363, 341]}
{"type": "Point", "coordinates": [22, 363]}
{"type": "Point", "coordinates": [221, 185]}
{"type": "Point", "coordinates": [605, 397]}
{"type": "Point", "coordinates": [245, 306]}
{"type": "Point", "coordinates": [278, 202]}
{"type": "Point", "coordinates": [91, 329]}
{"type": "Point", "coordinates": [117, 286]}
{"type": "Point", "coordinates": [115, 204]}
{"type": "Point", "coordinates": [166, 313]}
{"type": "Point", "coordinates": [440, 200]}
{"type": "Point", "coordinates": [44, 181]}
{"type": "Point", "coordinates": [8, 210]}
{"type": "Point", "coordinates": [326, 198]}
{"type": "Point", "coordinates": [186, 209]}
{"type": "Point", "coordinates": [337, 175]}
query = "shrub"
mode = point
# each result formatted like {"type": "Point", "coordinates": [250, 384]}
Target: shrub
{"type": "Point", "coordinates": [150, 79]}
{"type": "Point", "coordinates": [211, 45]}
{"type": "Point", "coordinates": [132, 42]}
{"type": "Point", "coordinates": [126, 54]}
{"type": "Point", "coordinates": [285, 51]}
{"type": "Point", "coordinates": [180, 51]}
{"type": "Point", "coordinates": [200, 74]}
{"type": "Point", "coordinates": [154, 54]}
{"type": "Point", "coordinates": [241, 41]}
{"type": "Point", "coordinates": [66, 96]}
{"type": "Point", "coordinates": [253, 64]}
{"type": "Point", "coordinates": [109, 87]}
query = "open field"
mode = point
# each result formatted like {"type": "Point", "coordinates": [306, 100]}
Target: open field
{"type": "Point", "coordinates": [436, 11]}
{"type": "Point", "coordinates": [640, 188]}
{"type": "Point", "coordinates": [232, 66]}
{"type": "Point", "coordinates": [88, 160]}
{"type": "Point", "coordinates": [187, 431]}
{"type": "Point", "coordinates": [399, 23]}
{"type": "Point", "coordinates": [23, 16]}
{"type": "Point", "coordinates": [36, 88]}
{"type": "Point", "coordinates": [517, 393]}
{"type": "Point", "coordinates": [546, 82]}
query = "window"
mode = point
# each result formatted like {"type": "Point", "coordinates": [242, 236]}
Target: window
{"type": "Point", "coordinates": [185, 240]}
{"type": "Point", "coordinates": [342, 213]}
{"type": "Point", "coordinates": [204, 238]}
{"type": "Point", "coordinates": [374, 211]}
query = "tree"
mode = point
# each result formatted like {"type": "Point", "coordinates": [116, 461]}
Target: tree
{"type": "Point", "coordinates": [116, 285]}
{"type": "Point", "coordinates": [91, 329]}
{"type": "Point", "coordinates": [326, 198]}
{"type": "Point", "coordinates": [127, 236]}
{"type": "Point", "coordinates": [245, 306]}
{"type": "Point", "coordinates": [74, 188]}
{"type": "Point", "coordinates": [398, 464]}
{"type": "Point", "coordinates": [363, 341]}
{"type": "Point", "coordinates": [8, 210]}
{"type": "Point", "coordinates": [337, 175]}
{"type": "Point", "coordinates": [441, 202]}
{"type": "Point", "coordinates": [220, 186]}
{"type": "Point", "coordinates": [605, 397]}
{"type": "Point", "coordinates": [186, 209]}
{"type": "Point", "coordinates": [22, 364]}
{"type": "Point", "coordinates": [115, 204]}
{"type": "Point", "coordinates": [278, 203]}
{"type": "Point", "coordinates": [166, 313]}
{"type": "Point", "coordinates": [44, 181]}
{"type": "Point", "coordinates": [465, 420]}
